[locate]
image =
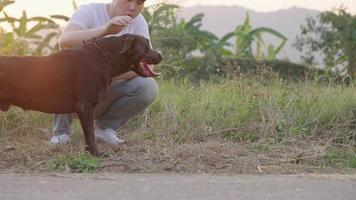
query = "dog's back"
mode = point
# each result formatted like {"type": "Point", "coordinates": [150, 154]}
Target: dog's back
{"type": "Point", "coordinates": [35, 83]}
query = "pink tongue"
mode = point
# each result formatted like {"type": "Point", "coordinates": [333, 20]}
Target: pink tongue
{"type": "Point", "coordinates": [146, 70]}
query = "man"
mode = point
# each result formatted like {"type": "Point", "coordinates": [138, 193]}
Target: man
{"type": "Point", "coordinates": [129, 94]}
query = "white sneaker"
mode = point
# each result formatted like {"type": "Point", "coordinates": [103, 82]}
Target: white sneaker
{"type": "Point", "coordinates": [60, 139]}
{"type": "Point", "coordinates": [108, 136]}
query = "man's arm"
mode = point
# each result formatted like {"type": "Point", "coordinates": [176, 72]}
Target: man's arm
{"type": "Point", "coordinates": [73, 34]}
{"type": "Point", "coordinates": [126, 76]}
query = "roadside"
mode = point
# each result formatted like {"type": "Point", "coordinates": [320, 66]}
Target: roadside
{"type": "Point", "coordinates": [173, 186]}
{"type": "Point", "coordinates": [213, 157]}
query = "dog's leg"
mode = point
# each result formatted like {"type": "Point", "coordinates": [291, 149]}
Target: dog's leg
{"type": "Point", "coordinates": [85, 112]}
{"type": "Point", "coordinates": [4, 98]}
{"type": "Point", "coordinates": [4, 106]}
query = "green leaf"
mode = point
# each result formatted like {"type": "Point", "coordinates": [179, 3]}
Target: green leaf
{"type": "Point", "coordinates": [61, 17]}
{"type": "Point", "coordinates": [41, 19]}
{"type": "Point", "coordinates": [22, 29]}
{"type": "Point", "coordinates": [74, 4]}
{"type": "Point", "coordinates": [5, 3]}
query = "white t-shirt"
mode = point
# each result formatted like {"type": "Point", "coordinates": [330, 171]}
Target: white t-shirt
{"type": "Point", "coordinates": [95, 15]}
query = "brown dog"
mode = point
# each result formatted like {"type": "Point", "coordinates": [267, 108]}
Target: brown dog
{"type": "Point", "coordinates": [73, 80]}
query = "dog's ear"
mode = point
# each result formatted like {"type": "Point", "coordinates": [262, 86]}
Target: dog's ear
{"type": "Point", "coordinates": [127, 45]}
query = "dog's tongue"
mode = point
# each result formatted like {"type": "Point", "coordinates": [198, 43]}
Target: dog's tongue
{"type": "Point", "coordinates": [146, 70]}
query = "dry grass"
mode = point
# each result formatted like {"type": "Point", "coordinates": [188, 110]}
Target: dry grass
{"type": "Point", "coordinates": [244, 126]}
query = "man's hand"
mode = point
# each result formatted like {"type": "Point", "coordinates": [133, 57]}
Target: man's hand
{"type": "Point", "coordinates": [116, 24]}
{"type": "Point", "coordinates": [129, 75]}
{"type": "Point", "coordinates": [126, 76]}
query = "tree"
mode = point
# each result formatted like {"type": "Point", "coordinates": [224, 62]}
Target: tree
{"type": "Point", "coordinates": [333, 33]}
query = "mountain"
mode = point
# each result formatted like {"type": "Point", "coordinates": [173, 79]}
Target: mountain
{"type": "Point", "coordinates": [223, 19]}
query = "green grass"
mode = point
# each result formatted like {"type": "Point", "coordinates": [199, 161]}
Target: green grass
{"type": "Point", "coordinates": [248, 110]}
{"type": "Point", "coordinates": [340, 157]}
{"type": "Point", "coordinates": [80, 163]}
{"type": "Point", "coordinates": [254, 110]}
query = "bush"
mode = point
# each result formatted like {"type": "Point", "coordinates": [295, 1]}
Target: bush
{"type": "Point", "coordinates": [203, 68]}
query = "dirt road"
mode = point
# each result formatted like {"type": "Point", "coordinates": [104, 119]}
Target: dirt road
{"type": "Point", "coordinates": [174, 187]}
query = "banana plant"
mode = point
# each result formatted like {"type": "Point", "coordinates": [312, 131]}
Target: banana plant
{"type": "Point", "coordinates": [193, 28]}
{"type": "Point", "coordinates": [58, 32]}
{"type": "Point", "coordinates": [220, 47]}
{"type": "Point", "coordinates": [5, 45]}
{"type": "Point", "coordinates": [161, 19]}
{"type": "Point", "coordinates": [256, 34]}
{"type": "Point", "coordinates": [26, 35]}
{"type": "Point", "coordinates": [4, 3]}
{"type": "Point", "coordinates": [273, 51]}
{"type": "Point", "coordinates": [160, 16]}
{"type": "Point", "coordinates": [246, 35]}
{"type": "Point", "coordinates": [30, 35]}
{"type": "Point", "coordinates": [63, 17]}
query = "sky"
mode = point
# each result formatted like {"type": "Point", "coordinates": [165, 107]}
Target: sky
{"type": "Point", "coordinates": [272, 5]}
{"type": "Point", "coordinates": [47, 7]}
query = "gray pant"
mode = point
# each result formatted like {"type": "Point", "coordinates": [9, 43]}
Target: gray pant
{"type": "Point", "coordinates": [124, 100]}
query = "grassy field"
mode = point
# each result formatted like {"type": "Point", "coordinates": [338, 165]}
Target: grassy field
{"type": "Point", "coordinates": [247, 125]}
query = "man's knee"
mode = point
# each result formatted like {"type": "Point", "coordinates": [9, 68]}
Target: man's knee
{"type": "Point", "coordinates": [147, 90]}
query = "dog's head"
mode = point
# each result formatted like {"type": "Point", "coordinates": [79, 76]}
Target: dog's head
{"type": "Point", "coordinates": [132, 52]}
